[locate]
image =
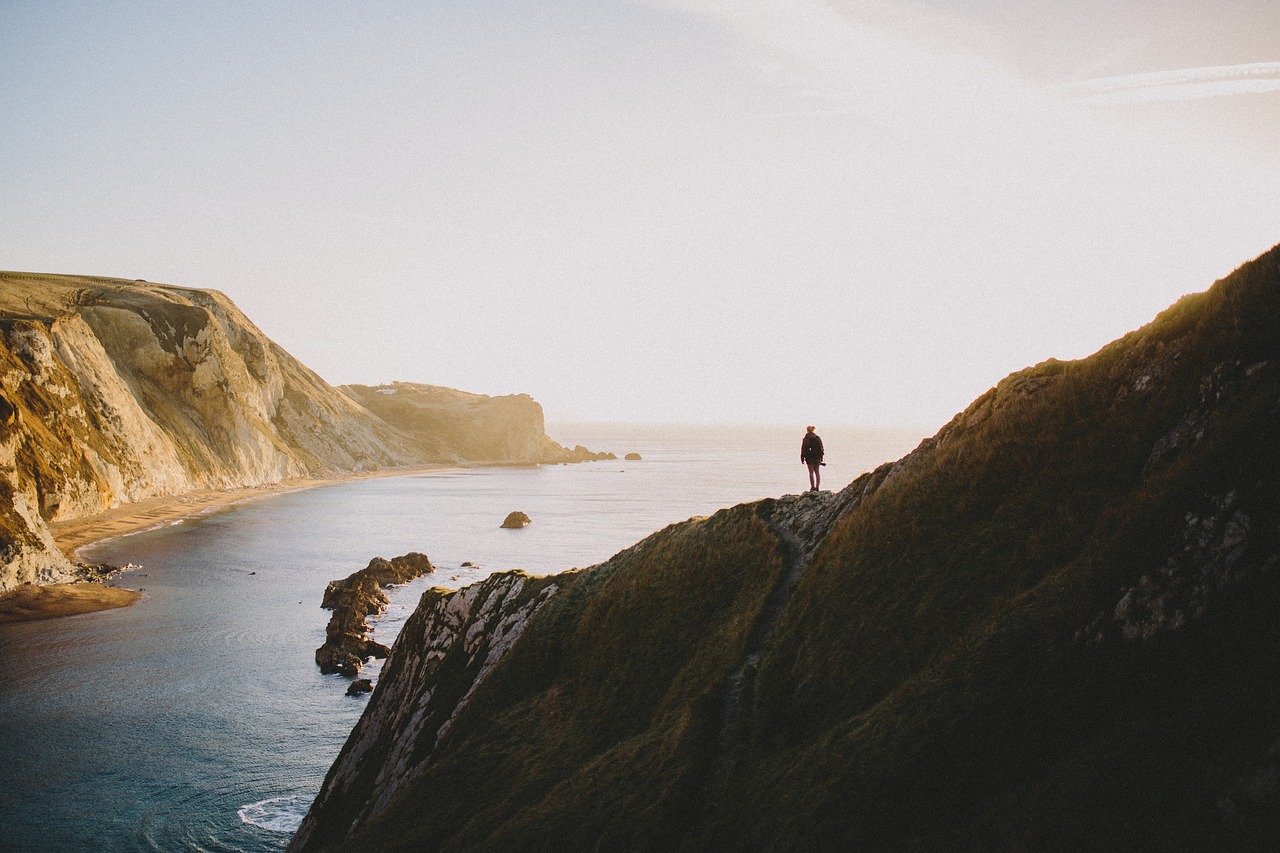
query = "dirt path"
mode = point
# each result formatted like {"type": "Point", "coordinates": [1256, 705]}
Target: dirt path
{"type": "Point", "coordinates": [787, 518]}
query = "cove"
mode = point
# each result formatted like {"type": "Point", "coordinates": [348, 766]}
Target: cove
{"type": "Point", "coordinates": [197, 719]}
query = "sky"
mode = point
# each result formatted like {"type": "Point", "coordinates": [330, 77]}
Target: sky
{"type": "Point", "coordinates": [777, 211]}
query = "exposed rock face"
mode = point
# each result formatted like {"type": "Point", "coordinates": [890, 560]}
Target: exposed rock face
{"type": "Point", "coordinates": [1052, 626]}
{"type": "Point", "coordinates": [117, 391]}
{"type": "Point", "coordinates": [516, 520]}
{"type": "Point", "coordinates": [347, 642]}
{"type": "Point", "coordinates": [114, 391]}
{"type": "Point", "coordinates": [463, 633]}
{"type": "Point", "coordinates": [475, 427]}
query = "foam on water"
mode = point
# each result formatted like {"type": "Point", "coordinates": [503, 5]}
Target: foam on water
{"type": "Point", "coordinates": [277, 814]}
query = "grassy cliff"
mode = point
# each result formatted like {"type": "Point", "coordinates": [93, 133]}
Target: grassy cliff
{"type": "Point", "coordinates": [1055, 625]}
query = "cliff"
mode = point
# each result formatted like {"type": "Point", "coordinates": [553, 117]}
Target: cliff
{"type": "Point", "coordinates": [1051, 626]}
{"type": "Point", "coordinates": [114, 391]}
{"type": "Point", "coordinates": [508, 429]}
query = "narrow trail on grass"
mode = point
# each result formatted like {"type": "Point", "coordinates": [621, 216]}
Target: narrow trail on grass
{"type": "Point", "coordinates": [800, 523]}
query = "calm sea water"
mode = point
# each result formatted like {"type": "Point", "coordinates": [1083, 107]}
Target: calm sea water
{"type": "Point", "coordinates": [197, 719]}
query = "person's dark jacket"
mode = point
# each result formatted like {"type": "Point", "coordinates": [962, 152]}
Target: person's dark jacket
{"type": "Point", "coordinates": [811, 448]}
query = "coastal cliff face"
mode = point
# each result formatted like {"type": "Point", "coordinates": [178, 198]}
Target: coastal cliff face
{"type": "Point", "coordinates": [114, 391]}
{"type": "Point", "coordinates": [1051, 626]}
{"type": "Point", "coordinates": [463, 634]}
{"type": "Point", "coordinates": [508, 429]}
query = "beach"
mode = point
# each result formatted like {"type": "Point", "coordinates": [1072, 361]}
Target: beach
{"type": "Point", "coordinates": [35, 602]}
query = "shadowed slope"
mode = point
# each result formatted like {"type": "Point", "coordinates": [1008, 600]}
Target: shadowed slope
{"type": "Point", "coordinates": [1052, 626]}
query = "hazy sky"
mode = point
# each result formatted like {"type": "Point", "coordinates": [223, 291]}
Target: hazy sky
{"type": "Point", "coordinates": [676, 210]}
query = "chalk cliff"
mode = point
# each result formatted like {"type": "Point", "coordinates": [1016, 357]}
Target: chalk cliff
{"type": "Point", "coordinates": [113, 391]}
{"type": "Point", "coordinates": [476, 427]}
{"type": "Point", "coordinates": [1051, 626]}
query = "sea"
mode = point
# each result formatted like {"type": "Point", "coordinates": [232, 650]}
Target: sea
{"type": "Point", "coordinates": [197, 719]}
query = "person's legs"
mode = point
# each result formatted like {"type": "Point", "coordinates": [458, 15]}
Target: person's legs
{"type": "Point", "coordinates": [815, 476]}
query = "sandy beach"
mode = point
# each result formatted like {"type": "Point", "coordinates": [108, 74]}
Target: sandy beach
{"type": "Point", "coordinates": [31, 603]}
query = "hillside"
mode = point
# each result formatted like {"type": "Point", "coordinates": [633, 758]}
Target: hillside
{"type": "Point", "coordinates": [475, 426]}
{"type": "Point", "coordinates": [115, 391]}
{"type": "Point", "coordinates": [1055, 625]}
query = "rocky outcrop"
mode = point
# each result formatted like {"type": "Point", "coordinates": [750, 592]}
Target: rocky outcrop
{"type": "Point", "coordinates": [581, 454]}
{"type": "Point", "coordinates": [475, 427]}
{"type": "Point", "coordinates": [1051, 626]}
{"type": "Point", "coordinates": [463, 634]}
{"type": "Point", "coordinates": [347, 642]}
{"type": "Point", "coordinates": [516, 520]}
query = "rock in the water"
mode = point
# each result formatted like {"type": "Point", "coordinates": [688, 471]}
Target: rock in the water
{"type": "Point", "coordinates": [632, 457]}
{"type": "Point", "coordinates": [360, 685]}
{"type": "Point", "coordinates": [347, 644]}
{"type": "Point", "coordinates": [516, 520]}
{"type": "Point", "coordinates": [582, 454]}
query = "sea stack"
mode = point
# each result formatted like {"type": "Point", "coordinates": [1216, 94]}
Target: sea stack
{"type": "Point", "coordinates": [347, 643]}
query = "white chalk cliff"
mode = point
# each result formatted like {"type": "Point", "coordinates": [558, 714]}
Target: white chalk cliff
{"type": "Point", "coordinates": [114, 391]}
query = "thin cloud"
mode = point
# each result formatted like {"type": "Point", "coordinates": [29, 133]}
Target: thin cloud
{"type": "Point", "coordinates": [1181, 85]}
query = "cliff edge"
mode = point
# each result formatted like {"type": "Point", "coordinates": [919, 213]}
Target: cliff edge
{"type": "Point", "coordinates": [476, 427]}
{"type": "Point", "coordinates": [1051, 626]}
{"type": "Point", "coordinates": [115, 391]}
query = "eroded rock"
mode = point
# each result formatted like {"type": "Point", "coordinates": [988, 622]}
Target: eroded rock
{"type": "Point", "coordinates": [347, 643]}
{"type": "Point", "coordinates": [516, 520]}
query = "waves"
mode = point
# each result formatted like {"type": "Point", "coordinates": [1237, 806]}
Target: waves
{"type": "Point", "coordinates": [276, 814]}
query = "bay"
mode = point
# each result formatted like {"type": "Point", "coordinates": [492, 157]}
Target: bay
{"type": "Point", "coordinates": [197, 718]}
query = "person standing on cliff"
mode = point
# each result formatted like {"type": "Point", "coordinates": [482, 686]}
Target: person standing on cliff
{"type": "Point", "coordinates": [811, 454]}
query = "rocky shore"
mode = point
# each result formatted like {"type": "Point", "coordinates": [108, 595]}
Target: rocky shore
{"type": "Point", "coordinates": [347, 642]}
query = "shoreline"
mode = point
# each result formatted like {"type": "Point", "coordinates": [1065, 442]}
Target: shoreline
{"type": "Point", "coordinates": [37, 602]}
{"type": "Point", "coordinates": [77, 534]}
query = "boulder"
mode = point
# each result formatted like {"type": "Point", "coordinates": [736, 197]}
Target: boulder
{"type": "Point", "coordinates": [582, 454]}
{"type": "Point", "coordinates": [360, 685]}
{"type": "Point", "coordinates": [516, 520]}
{"type": "Point", "coordinates": [632, 457]}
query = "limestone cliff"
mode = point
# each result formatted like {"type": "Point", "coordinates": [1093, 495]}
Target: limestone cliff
{"type": "Point", "coordinates": [507, 429]}
{"type": "Point", "coordinates": [1052, 626]}
{"type": "Point", "coordinates": [113, 391]}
